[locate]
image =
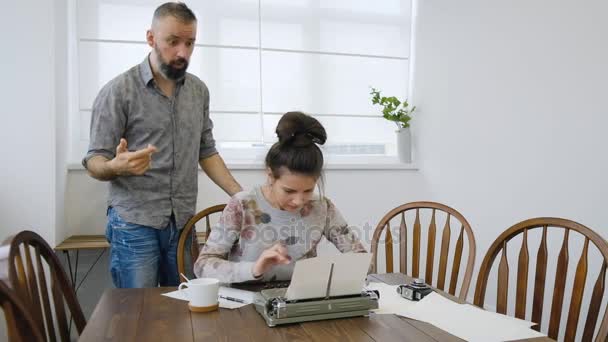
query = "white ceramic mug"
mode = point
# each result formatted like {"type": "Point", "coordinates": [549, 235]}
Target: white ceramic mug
{"type": "Point", "coordinates": [202, 294]}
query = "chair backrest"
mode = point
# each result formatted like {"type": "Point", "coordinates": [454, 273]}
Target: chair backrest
{"type": "Point", "coordinates": [190, 231]}
{"type": "Point", "coordinates": [33, 276]}
{"type": "Point", "coordinates": [553, 225]}
{"type": "Point", "coordinates": [399, 213]}
{"type": "Point", "coordinates": [19, 323]}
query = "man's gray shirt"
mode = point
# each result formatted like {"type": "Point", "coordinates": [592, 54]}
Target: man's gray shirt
{"type": "Point", "coordinates": [131, 106]}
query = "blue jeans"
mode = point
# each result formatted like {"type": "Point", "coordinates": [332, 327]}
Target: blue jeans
{"type": "Point", "coordinates": [142, 256]}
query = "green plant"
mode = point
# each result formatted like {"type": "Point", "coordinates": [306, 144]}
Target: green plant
{"type": "Point", "coordinates": [393, 109]}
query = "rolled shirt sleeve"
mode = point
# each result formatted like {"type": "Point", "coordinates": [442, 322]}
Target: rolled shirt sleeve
{"type": "Point", "coordinates": [108, 121]}
{"type": "Point", "coordinates": [207, 147]}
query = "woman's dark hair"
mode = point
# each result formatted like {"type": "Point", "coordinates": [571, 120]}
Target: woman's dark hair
{"type": "Point", "coordinates": [297, 148]}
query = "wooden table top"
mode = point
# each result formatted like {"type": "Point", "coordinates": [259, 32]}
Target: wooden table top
{"type": "Point", "coordinates": [145, 315]}
{"type": "Point", "coordinates": [75, 242]}
{"type": "Point", "coordinates": [83, 242]}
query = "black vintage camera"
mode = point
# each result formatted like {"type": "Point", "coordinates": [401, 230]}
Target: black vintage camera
{"type": "Point", "coordinates": [414, 291]}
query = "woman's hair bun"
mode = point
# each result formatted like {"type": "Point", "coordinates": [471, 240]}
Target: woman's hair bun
{"type": "Point", "coordinates": [300, 130]}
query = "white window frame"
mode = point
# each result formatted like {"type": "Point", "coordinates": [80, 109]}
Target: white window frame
{"type": "Point", "coordinates": [251, 156]}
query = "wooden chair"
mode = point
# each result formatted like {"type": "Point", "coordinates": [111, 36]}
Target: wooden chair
{"type": "Point", "coordinates": [32, 285]}
{"type": "Point", "coordinates": [553, 225]}
{"type": "Point", "coordinates": [190, 231]}
{"type": "Point", "coordinates": [19, 323]}
{"type": "Point", "coordinates": [400, 214]}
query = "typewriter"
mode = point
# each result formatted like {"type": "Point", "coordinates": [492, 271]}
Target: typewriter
{"type": "Point", "coordinates": [335, 294]}
{"type": "Point", "coordinates": [277, 309]}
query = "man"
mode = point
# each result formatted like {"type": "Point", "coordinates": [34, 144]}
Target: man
{"type": "Point", "coordinates": [150, 129]}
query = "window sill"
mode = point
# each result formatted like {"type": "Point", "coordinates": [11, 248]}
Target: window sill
{"type": "Point", "coordinates": [331, 163]}
{"type": "Point", "coordinates": [335, 162]}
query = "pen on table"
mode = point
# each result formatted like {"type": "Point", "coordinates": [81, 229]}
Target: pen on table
{"type": "Point", "coordinates": [233, 299]}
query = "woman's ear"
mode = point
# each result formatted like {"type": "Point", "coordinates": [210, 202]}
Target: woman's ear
{"type": "Point", "coordinates": [269, 176]}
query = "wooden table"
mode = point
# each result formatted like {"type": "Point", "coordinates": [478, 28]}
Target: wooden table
{"type": "Point", "coordinates": [145, 315]}
{"type": "Point", "coordinates": [76, 243]}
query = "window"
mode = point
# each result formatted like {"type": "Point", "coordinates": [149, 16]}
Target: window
{"type": "Point", "coordinates": [260, 58]}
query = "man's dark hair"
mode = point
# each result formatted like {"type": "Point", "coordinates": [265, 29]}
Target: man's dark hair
{"type": "Point", "coordinates": [178, 10]}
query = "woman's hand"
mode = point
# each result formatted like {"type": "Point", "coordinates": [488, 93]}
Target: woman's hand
{"type": "Point", "coordinates": [275, 255]}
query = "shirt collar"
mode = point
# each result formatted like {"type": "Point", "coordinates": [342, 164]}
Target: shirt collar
{"type": "Point", "coordinates": [146, 71]}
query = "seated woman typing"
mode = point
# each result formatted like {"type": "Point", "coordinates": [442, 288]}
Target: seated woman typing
{"type": "Point", "coordinates": [263, 232]}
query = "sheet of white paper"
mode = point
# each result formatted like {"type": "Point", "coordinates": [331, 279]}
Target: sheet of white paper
{"type": "Point", "coordinates": [246, 296]}
{"type": "Point", "coordinates": [349, 272]}
{"type": "Point", "coordinates": [309, 279]}
{"type": "Point", "coordinates": [181, 295]}
{"type": "Point", "coordinates": [228, 304]}
{"type": "Point", "coordinates": [462, 320]}
{"type": "Point", "coordinates": [391, 302]}
{"type": "Point", "coordinates": [472, 323]}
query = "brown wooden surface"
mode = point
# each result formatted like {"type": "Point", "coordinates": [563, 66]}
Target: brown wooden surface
{"type": "Point", "coordinates": [560, 226]}
{"type": "Point", "coordinates": [416, 247]}
{"type": "Point", "coordinates": [96, 242]}
{"type": "Point", "coordinates": [83, 242]}
{"type": "Point", "coordinates": [577, 294]}
{"type": "Point", "coordinates": [20, 325]}
{"type": "Point", "coordinates": [539, 281]}
{"type": "Point", "coordinates": [503, 282]}
{"type": "Point", "coordinates": [200, 236]}
{"type": "Point", "coordinates": [145, 315]}
{"type": "Point", "coordinates": [594, 305]}
{"type": "Point", "coordinates": [430, 250]}
{"type": "Point", "coordinates": [32, 284]}
{"type": "Point", "coordinates": [443, 256]}
{"type": "Point", "coordinates": [403, 244]}
{"type": "Point", "coordinates": [456, 261]}
{"type": "Point", "coordinates": [558, 289]}
{"type": "Point", "coordinates": [388, 249]}
{"type": "Point", "coordinates": [522, 278]}
{"type": "Point", "coordinates": [431, 256]}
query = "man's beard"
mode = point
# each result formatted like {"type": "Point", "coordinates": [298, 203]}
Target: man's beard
{"type": "Point", "coordinates": [169, 70]}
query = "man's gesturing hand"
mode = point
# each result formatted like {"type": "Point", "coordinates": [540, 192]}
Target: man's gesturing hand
{"type": "Point", "coordinates": [131, 163]}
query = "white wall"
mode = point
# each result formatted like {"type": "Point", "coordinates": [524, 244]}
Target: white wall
{"type": "Point", "coordinates": [27, 139]}
{"type": "Point", "coordinates": [61, 117]}
{"type": "Point", "coordinates": [513, 111]}
{"type": "Point", "coordinates": [32, 143]}
{"type": "Point", "coordinates": [513, 114]}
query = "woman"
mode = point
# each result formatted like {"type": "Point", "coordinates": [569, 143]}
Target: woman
{"type": "Point", "coordinates": [262, 232]}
